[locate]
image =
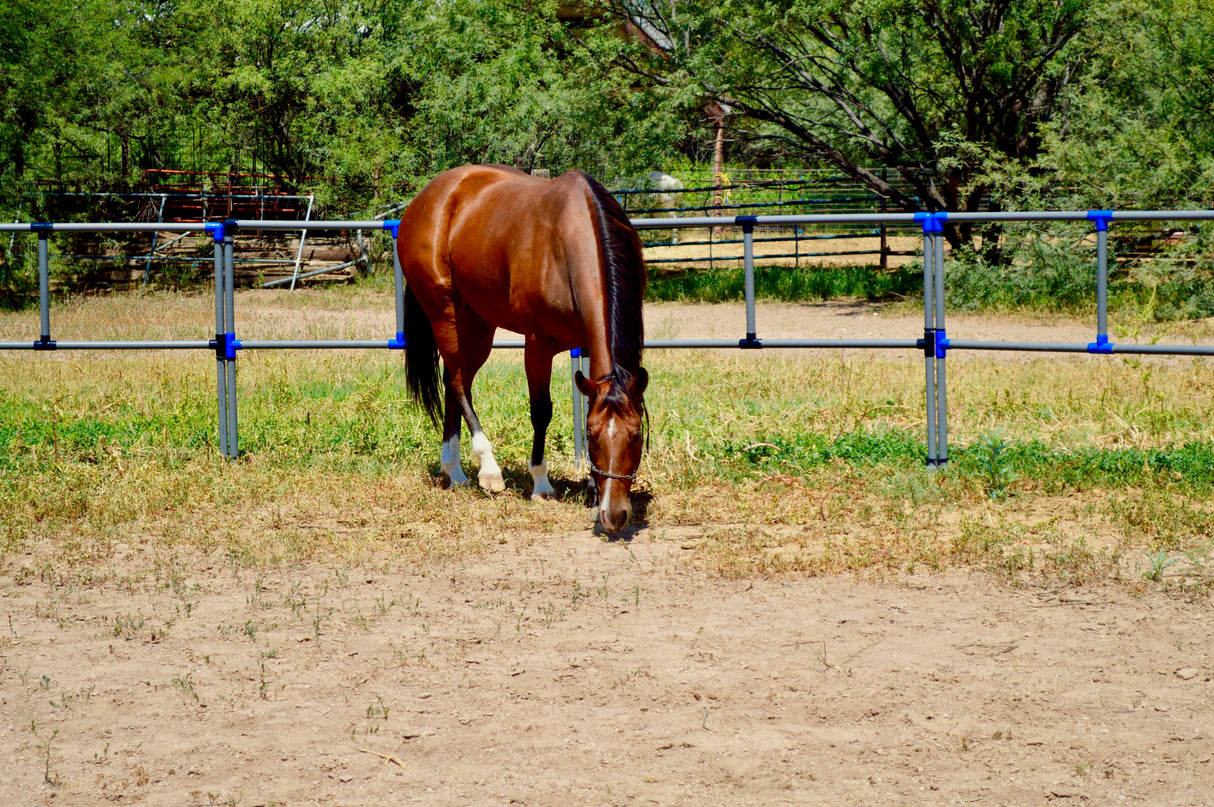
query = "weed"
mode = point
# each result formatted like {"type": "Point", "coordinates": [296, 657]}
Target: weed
{"type": "Point", "coordinates": [185, 685]}
{"type": "Point", "coordinates": [128, 627]}
{"type": "Point", "coordinates": [1159, 563]}
{"type": "Point", "coordinates": [997, 473]}
{"type": "Point", "coordinates": [46, 751]}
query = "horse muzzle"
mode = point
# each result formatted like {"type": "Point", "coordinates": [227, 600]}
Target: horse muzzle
{"type": "Point", "coordinates": [614, 518]}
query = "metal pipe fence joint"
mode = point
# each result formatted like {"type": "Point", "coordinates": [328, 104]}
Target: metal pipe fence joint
{"type": "Point", "coordinates": [399, 342]}
{"type": "Point", "coordinates": [935, 343]}
{"type": "Point", "coordinates": [226, 345]}
{"type": "Point", "coordinates": [1101, 345]}
{"type": "Point", "coordinates": [1101, 219]}
{"type": "Point", "coordinates": [393, 227]}
{"type": "Point", "coordinates": [933, 223]}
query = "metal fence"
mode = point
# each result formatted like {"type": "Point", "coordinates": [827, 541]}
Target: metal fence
{"type": "Point", "coordinates": [934, 342]}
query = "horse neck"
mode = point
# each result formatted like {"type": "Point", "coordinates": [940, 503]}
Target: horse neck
{"type": "Point", "coordinates": [609, 315]}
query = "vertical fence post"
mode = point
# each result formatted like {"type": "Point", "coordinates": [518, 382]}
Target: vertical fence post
{"type": "Point", "coordinates": [221, 329]}
{"type": "Point", "coordinates": [230, 343]}
{"type": "Point", "coordinates": [398, 279]}
{"type": "Point", "coordinates": [748, 268]}
{"type": "Point", "coordinates": [579, 409]}
{"type": "Point", "coordinates": [941, 349]}
{"type": "Point", "coordinates": [935, 342]}
{"type": "Point", "coordinates": [44, 281]}
{"type": "Point", "coordinates": [1101, 219]}
{"type": "Point", "coordinates": [929, 333]}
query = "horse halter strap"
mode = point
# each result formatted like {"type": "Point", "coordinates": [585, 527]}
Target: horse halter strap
{"type": "Point", "coordinates": [610, 475]}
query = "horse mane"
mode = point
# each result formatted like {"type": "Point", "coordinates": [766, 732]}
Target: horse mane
{"type": "Point", "coordinates": [624, 284]}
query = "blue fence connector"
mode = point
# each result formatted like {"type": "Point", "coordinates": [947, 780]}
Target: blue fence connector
{"type": "Point", "coordinates": [40, 226]}
{"type": "Point", "coordinates": [747, 223]}
{"type": "Point", "coordinates": [942, 343]}
{"type": "Point", "coordinates": [576, 353]}
{"type": "Point", "coordinates": [393, 227]}
{"type": "Point", "coordinates": [398, 343]}
{"type": "Point", "coordinates": [1101, 218]}
{"type": "Point", "coordinates": [215, 228]}
{"type": "Point", "coordinates": [226, 345]}
{"type": "Point", "coordinates": [1101, 345]}
{"type": "Point", "coordinates": [932, 222]}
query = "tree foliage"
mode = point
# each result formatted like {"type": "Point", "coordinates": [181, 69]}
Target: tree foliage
{"type": "Point", "coordinates": [356, 100]}
{"type": "Point", "coordinates": [935, 104]}
{"type": "Point", "coordinates": [946, 93]}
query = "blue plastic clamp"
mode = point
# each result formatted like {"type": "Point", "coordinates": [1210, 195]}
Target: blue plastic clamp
{"type": "Point", "coordinates": [393, 227]}
{"type": "Point", "coordinates": [932, 222]}
{"type": "Point", "coordinates": [942, 343]}
{"type": "Point", "coordinates": [1101, 345]}
{"type": "Point", "coordinates": [576, 353]}
{"type": "Point", "coordinates": [1101, 219]}
{"type": "Point", "coordinates": [226, 345]}
{"type": "Point", "coordinates": [399, 343]}
{"type": "Point", "coordinates": [215, 228]}
{"type": "Point", "coordinates": [747, 223]}
{"type": "Point", "coordinates": [41, 226]}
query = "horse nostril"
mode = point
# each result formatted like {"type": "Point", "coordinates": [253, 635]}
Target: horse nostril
{"type": "Point", "coordinates": [616, 518]}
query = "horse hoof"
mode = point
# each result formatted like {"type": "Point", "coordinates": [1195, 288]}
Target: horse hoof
{"type": "Point", "coordinates": [544, 496]}
{"type": "Point", "coordinates": [492, 483]}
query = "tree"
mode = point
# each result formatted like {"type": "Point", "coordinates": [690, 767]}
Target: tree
{"type": "Point", "coordinates": [949, 94]}
{"type": "Point", "coordinates": [517, 84]}
{"type": "Point", "coordinates": [1140, 131]}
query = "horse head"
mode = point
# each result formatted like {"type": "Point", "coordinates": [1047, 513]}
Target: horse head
{"type": "Point", "coordinates": [616, 437]}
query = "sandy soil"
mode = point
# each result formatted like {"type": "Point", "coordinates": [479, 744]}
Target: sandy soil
{"type": "Point", "coordinates": [565, 669]}
{"type": "Point", "coordinates": [571, 670]}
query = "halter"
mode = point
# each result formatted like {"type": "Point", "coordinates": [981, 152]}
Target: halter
{"type": "Point", "coordinates": [609, 475]}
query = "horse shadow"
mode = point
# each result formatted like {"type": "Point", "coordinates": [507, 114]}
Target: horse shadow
{"type": "Point", "coordinates": [580, 488]}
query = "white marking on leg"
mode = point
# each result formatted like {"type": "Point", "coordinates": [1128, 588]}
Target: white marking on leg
{"type": "Point", "coordinates": [543, 488]}
{"type": "Point", "coordinates": [490, 474]}
{"type": "Point", "coordinates": [449, 462]}
{"type": "Point", "coordinates": [482, 449]}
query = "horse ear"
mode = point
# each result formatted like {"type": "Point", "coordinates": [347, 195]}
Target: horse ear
{"type": "Point", "coordinates": [640, 382]}
{"type": "Point", "coordinates": [588, 387]}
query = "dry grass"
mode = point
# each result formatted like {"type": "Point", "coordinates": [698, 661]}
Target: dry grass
{"type": "Point", "coordinates": [759, 464]}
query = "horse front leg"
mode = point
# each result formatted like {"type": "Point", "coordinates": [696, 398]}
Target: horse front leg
{"type": "Point", "coordinates": [538, 363]}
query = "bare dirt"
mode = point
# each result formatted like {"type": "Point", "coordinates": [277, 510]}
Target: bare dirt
{"type": "Point", "coordinates": [568, 669]}
{"type": "Point", "coordinates": [574, 670]}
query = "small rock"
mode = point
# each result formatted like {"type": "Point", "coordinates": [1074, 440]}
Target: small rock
{"type": "Point", "coordinates": [1187, 673]}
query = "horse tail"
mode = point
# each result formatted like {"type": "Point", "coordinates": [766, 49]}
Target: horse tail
{"type": "Point", "coordinates": [623, 261]}
{"type": "Point", "coordinates": [421, 358]}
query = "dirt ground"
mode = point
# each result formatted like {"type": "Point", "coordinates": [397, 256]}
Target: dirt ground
{"type": "Point", "coordinates": [568, 669]}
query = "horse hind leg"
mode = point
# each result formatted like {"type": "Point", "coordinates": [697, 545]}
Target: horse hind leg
{"type": "Point", "coordinates": [476, 340]}
{"type": "Point", "coordinates": [459, 407]}
{"type": "Point", "coordinates": [449, 460]}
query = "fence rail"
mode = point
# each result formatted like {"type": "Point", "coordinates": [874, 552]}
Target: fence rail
{"type": "Point", "coordinates": [934, 342]}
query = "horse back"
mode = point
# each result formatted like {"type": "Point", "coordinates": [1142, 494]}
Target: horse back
{"type": "Point", "coordinates": [520, 251]}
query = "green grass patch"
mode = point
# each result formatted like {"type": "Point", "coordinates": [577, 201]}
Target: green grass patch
{"type": "Point", "coordinates": [784, 283]}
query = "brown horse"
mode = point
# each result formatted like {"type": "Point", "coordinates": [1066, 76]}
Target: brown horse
{"type": "Point", "coordinates": [487, 247]}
